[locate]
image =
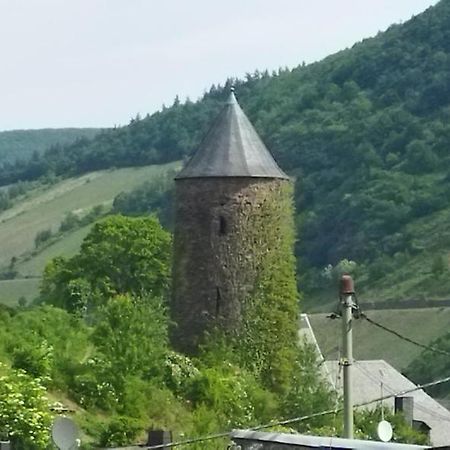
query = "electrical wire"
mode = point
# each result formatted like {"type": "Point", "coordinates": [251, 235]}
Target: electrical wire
{"type": "Point", "coordinates": [298, 419]}
{"type": "Point", "coordinates": [405, 338]}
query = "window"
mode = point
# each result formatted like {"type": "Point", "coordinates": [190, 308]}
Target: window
{"type": "Point", "coordinates": [218, 300]}
{"type": "Point", "coordinates": [222, 225]}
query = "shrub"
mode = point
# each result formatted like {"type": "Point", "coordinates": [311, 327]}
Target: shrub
{"type": "Point", "coordinates": [25, 416]}
{"type": "Point", "coordinates": [42, 236]}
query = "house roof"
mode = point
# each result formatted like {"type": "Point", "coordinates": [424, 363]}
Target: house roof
{"type": "Point", "coordinates": [301, 441]}
{"type": "Point", "coordinates": [231, 148]}
{"type": "Point", "coordinates": [367, 379]}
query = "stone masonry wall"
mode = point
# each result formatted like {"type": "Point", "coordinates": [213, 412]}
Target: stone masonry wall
{"type": "Point", "coordinates": [224, 229]}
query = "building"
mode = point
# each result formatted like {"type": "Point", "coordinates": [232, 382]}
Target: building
{"type": "Point", "coordinates": [228, 216]}
{"type": "Point", "coordinates": [254, 440]}
{"type": "Point", "coordinates": [375, 378]}
{"type": "Point", "coordinates": [370, 378]}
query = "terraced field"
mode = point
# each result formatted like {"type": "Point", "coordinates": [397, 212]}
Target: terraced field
{"type": "Point", "coordinates": [44, 209]}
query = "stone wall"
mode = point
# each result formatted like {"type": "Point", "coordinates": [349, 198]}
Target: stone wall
{"type": "Point", "coordinates": [224, 230]}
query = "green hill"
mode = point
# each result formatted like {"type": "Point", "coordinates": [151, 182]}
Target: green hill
{"type": "Point", "coordinates": [373, 343]}
{"type": "Point", "coordinates": [365, 132]}
{"type": "Point", "coordinates": [22, 144]}
{"type": "Point", "coordinates": [45, 208]}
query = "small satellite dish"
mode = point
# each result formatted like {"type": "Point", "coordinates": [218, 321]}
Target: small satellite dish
{"type": "Point", "coordinates": [384, 431]}
{"type": "Point", "coordinates": [65, 433]}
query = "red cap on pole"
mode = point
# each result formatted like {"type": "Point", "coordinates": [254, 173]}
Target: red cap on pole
{"type": "Point", "coordinates": [347, 286]}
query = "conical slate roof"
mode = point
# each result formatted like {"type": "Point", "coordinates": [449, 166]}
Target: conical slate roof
{"type": "Point", "coordinates": [231, 148]}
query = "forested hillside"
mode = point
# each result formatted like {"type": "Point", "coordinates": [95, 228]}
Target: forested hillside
{"type": "Point", "coordinates": [22, 144]}
{"type": "Point", "coordinates": [365, 132]}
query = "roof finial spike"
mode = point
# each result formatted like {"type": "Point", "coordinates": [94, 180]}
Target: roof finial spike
{"type": "Point", "coordinates": [232, 98]}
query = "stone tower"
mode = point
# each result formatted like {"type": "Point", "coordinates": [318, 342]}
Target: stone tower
{"type": "Point", "coordinates": [228, 217]}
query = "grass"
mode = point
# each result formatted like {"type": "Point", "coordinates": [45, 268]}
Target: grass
{"type": "Point", "coordinates": [370, 342]}
{"type": "Point", "coordinates": [67, 246]}
{"type": "Point", "coordinates": [12, 290]}
{"type": "Point", "coordinates": [46, 207]}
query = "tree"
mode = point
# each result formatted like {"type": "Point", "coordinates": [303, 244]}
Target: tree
{"type": "Point", "coordinates": [438, 266]}
{"type": "Point", "coordinates": [130, 344]}
{"type": "Point", "coordinates": [132, 334]}
{"type": "Point", "coordinates": [120, 255]}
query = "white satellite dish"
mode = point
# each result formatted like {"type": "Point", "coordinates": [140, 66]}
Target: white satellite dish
{"type": "Point", "coordinates": [65, 433]}
{"type": "Point", "coordinates": [384, 431]}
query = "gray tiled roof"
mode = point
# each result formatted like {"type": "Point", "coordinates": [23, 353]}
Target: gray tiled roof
{"type": "Point", "coordinates": [232, 148]}
{"type": "Point", "coordinates": [367, 378]}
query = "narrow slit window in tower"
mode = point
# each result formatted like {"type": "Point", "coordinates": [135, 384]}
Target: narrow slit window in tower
{"type": "Point", "coordinates": [222, 225]}
{"type": "Point", "coordinates": [218, 300]}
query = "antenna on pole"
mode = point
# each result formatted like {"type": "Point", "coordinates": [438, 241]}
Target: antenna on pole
{"type": "Point", "coordinates": [384, 428]}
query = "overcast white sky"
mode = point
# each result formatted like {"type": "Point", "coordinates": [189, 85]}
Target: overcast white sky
{"type": "Point", "coordinates": [99, 62]}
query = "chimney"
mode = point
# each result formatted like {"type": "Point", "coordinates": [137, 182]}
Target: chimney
{"type": "Point", "coordinates": [405, 405]}
{"type": "Point", "coordinates": [159, 437]}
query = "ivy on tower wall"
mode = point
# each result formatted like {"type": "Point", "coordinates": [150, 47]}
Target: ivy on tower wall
{"type": "Point", "coordinates": [234, 271]}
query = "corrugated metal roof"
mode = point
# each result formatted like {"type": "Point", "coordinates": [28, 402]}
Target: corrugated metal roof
{"type": "Point", "coordinates": [302, 441]}
{"type": "Point", "coordinates": [232, 148]}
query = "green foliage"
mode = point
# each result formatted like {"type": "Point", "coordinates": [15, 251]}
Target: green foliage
{"type": "Point", "coordinates": [267, 342]}
{"type": "Point", "coordinates": [21, 144]}
{"type": "Point", "coordinates": [154, 196]}
{"type": "Point", "coordinates": [120, 431]}
{"type": "Point", "coordinates": [367, 420]}
{"type": "Point", "coordinates": [233, 394]}
{"type": "Point", "coordinates": [42, 237]}
{"type": "Point", "coordinates": [439, 266]}
{"type": "Point", "coordinates": [69, 222]}
{"type": "Point", "coordinates": [132, 334]}
{"type": "Point", "coordinates": [45, 342]}
{"type": "Point", "coordinates": [34, 356]}
{"type": "Point", "coordinates": [25, 417]}
{"type": "Point", "coordinates": [308, 392]}
{"type": "Point", "coordinates": [430, 366]}
{"type": "Point", "coordinates": [131, 342]}
{"type": "Point", "coordinates": [179, 372]}
{"type": "Point", "coordinates": [119, 255]}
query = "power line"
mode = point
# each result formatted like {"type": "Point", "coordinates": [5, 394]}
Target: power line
{"type": "Point", "coordinates": [299, 419]}
{"type": "Point", "coordinates": [405, 338]}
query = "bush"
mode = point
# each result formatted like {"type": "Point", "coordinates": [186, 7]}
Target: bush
{"type": "Point", "coordinates": [69, 222]}
{"type": "Point", "coordinates": [35, 358]}
{"type": "Point", "coordinates": [42, 236]}
{"type": "Point", "coordinates": [120, 431]}
{"type": "Point", "coordinates": [25, 411]}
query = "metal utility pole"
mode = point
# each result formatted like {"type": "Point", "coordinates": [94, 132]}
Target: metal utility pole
{"type": "Point", "coordinates": [347, 291]}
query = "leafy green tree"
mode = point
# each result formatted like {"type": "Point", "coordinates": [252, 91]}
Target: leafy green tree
{"type": "Point", "coordinates": [46, 342]}
{"type": "Point", "coordinates": [438, 266]}
{"type": "Point", "coordinates": [132, 334]}
{"type": "Point", "coordinates": [308, 392]}
{"type": "Point", "coordinates": [120, 255]}
{"type": "Point", "coordinates": [420, 157]}
{"type": "Point", "coordinates": [130, 341]}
